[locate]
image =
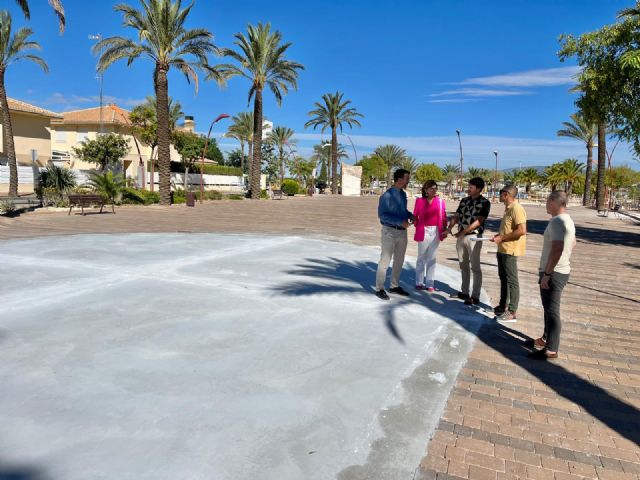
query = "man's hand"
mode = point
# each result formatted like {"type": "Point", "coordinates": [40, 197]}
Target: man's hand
{"type": "Point", "coordinates": [406, 224]}
{"type": "Point", "coordinates": [459, 234]}
{"type": "Point", "coordinates": [497, 239]}
{"type": "Point", "coordinates": [544, 282]}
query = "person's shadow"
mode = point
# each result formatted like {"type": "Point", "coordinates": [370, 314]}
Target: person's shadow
{"type": "Point", "coordinates": [356, 278]}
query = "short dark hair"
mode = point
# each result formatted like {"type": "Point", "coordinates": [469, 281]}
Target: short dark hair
{"type": "Point", "coordinates": [428, 184]}
{"type": "Point", "coordinates": [559, 197]}
{"type": "Point", "coordinates": [400, 173]}
{"type": "Point", "coordinates": [511, 190]}
{"type": "Point", "coordinates": [477, 182]}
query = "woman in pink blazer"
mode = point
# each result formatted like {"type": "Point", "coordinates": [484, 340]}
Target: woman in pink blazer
{"type": "Point", "coordinates": [431, 224]}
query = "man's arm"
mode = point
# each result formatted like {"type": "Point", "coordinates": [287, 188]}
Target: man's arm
{"type": "Point", "coordinates": [557, 246]}
{"type": "Point", "coordinates": [510, 237]}
{"type": "Point", "coordinates": [455, 219]}
{"type": "Point", "coordinates": [475, 224]}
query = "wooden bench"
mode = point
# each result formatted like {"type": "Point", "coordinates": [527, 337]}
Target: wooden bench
{"type": "Point", "coordinates": [87, 200]}
{"type": "Point", "coordinates": [277, 193]}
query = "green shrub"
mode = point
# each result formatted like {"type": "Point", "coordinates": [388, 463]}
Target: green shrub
{"type": "Point", "coordinates": [290, 186]}
{"type": "Point", "coordinates": [7, 207]}
{"type": "Point", "coordinates": [177, 167]}
{"type": "Point", "coordinates": [212, 195]}
{"type": "Point", "coordinates": [133, 196]}
{"type": "Point", "coordinates": [264, 194]}
{"type": "Point", "coordinates": [180, 196]}
{"type": "Point", "coordinates": [235, 196]}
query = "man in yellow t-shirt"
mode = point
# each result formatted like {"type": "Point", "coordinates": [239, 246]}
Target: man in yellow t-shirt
{"type": "Point", "coordinates": [511, 241]}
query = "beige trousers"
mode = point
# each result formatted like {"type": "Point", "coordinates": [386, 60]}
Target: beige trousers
{"type": "Point", "coordinates": [394, 244]}
{"type": "Point", "coordinates": [469, 260]}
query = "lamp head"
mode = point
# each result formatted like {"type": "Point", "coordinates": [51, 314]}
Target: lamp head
{"type": "Point", "coordinates": [495, 152]}
{"type": "Point", "coordinates": [458, 132]}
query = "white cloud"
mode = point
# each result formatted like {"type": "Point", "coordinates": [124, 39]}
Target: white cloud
{"type": "Point", "coordinates": [480, 92]}
{"type": "Point", "coordinates": [72, 101]}
{"type": "Point", "coordinates": [547, 77]}
{"type": "Point", "coordinates": [455, 100]}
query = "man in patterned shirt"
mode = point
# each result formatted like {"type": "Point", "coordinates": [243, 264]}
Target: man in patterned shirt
{"type": "Point", "coordinates": [470, 216]}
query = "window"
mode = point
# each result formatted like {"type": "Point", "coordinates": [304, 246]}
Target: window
{"type": "Point", "coordinates": [61, 136]}
{"type": "Point", "coordinates": [82, 135]}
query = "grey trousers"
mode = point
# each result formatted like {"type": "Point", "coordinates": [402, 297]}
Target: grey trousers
{"type": "Point", "coordinates": [469, 260]}
{"type": "Point", "coordinates": [551, 304]}
{"type": "Point", "coordinates": [394, 244]}
{"type": "Point", "coordinates": [509, 285]}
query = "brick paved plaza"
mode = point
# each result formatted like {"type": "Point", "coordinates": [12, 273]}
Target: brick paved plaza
{"type": "Point", "coordinates": [507, 417]}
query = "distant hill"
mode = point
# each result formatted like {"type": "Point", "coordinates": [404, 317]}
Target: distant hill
{"type": "Point", "coordinates": [539, 168]}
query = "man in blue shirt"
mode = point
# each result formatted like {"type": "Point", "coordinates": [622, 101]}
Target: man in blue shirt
{"type": "Point", "coordinates": [395, 219]}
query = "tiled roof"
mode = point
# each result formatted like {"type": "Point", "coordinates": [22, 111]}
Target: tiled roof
{"type": "Point", "coordinates": [20, 106]}
{"type": "Point", "coordinates": [111, 114]}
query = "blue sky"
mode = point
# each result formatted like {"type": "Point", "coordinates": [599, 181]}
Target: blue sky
{"type": "Point", "coordinates": [417, 70]}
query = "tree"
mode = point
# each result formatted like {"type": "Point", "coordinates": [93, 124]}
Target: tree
{"type": "Point", "coordinates": [622, 177]}
{"type": "Point", "coordinates": [280, 138]}
{"type": "Point", "coordinates": [261, 58]}
{"type": "Point", "coordinates": [302, 169]}
{"type": "Point", "coordinates": [450, 173]}
{"type": "Point", "coordinates": [57, 178]}
{"type": "Point", "coordinates": [631, 58]}
{"type": "Point", "coordinates": [144, 121]}
{"type": "Point", "coordinates": [237, 158]}
{"type": "Point", "coordinates": [58, 9]}
{"type": "Point", "coordinates": [409, 164]}
{"type": "Point", "coordinates": [191, 145]}
{"type": "Point", "coordinates": [571, 173]}
{"type": "Point", "coordinates": [553, 176]}
{"type": "Point", "coordinates": [392, 156]}
{"type": "Point", "coordinates": [529, 176]}
{"type": "Point", "coordinates": [333, 113]}
{"type": "Point", "coordinates": [241, 129]}
{"type": "Point", "coordinates": [106, 184]}
{"type": "Point", "coordinates": [428, 171]}
{"type": "Point", "coordinates": [270, 162]}
{"type": "Point", "coordinates": [373, 168]}
{"type": "Point", "coordinates": [13, 47]}
{"type": "Point", "coordinates": [163, 39]}
{"type": "Point", "coordinates": [105, 151]}
{"type": "Point", "coordinates": [581, 129]}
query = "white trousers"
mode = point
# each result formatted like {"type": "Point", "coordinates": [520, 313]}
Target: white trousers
{"type": "Point", "coordinates": [394, 245]}
{"type": "Point", "coordinates": [426, 264]}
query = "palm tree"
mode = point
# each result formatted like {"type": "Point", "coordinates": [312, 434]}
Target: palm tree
{"type": "Point", "coordinates": [106, 184]}
{"type": "Point", "coordinates": [410, 164]}
{"type": "Point", "coordinates": [333, 113]}
{"type": "Point", "coordinates": [163, 39]}
{"type": "Point", "coordinates": [571, 173]}
{"type": "Point", "coordinates": [261, 60]}
{"type": "Point", "coordinates": [58, 9]}
{"type": "Point", "coordinates": [631, 58]}
{"type": "Point", "coordinates": [553, 176]}
{"type": "Point", "coordinates": [57, 178]}
{"type": "Point", "coordinates": [528, 176]}
{"type": "Point", "coordinates": [392, 155]}
{"type": "Point", "coordinates": [13, 47]}
{"type": "Point", "coordinates": [581, 129]}
{"type": "Point", "coordinates": [241, 129]}
{"type": "Point", "coordinates": [450, 173]}
{"type": "Point", "coordinates": [475, 172]}
{"type": "Point", "coordinates": [280, 137]}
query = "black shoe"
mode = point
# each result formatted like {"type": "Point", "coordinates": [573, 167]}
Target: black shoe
{"type": "Point", "coordinates": [399, 291]}
{"type": "Point", "coordinates": [382, 295]}
{"type": "Point", "coordinates": [499, 310]}
{"type": "Point", "coordinates": [543, 354]}
{"type": "Point", "coordinates": [472, 301]}
{"type": "Point", "coordinates": [460, 295]}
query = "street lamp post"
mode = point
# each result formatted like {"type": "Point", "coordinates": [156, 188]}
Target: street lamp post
{"type": "Point", "coordinates": [495, 176]}
{"type": "Point", "coordinates": [461, 160]}
{"type": "Point", "coordinates": [204, 151]}
{"type": "Point", "coordinates": [98, 37]}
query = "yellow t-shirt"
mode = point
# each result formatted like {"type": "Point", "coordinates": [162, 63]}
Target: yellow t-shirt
{"type": "Point", "coordinates": [514, 215]}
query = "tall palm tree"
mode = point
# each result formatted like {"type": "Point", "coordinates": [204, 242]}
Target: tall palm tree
{"type": "Point", "coordinates": [333, 113]}
{"type": "Point", "coordinates": [571, 173]}
{"type": "Point", "coordinates": [241, 129]}
{"type": "Point", "coordinates": [552, 176]}
{"type": "Point", "coordinates": [58, 9]}
{"type": "Point", "coordinates": [392, 155]}
{"type": "Point", "coordinates": [581, 129]}
{"type": "Point", "coordinates": [164, 40]}
{"type": "Point", "coordinates": [280, 137]}
{"type": "Point", "coordinates": [450, 172]}
{"type": "Point", "coordinates": [261, 58]}
{"type": "Point", "coordinates": [475, 172]}
{"type": "Point", "coordinates": [13, 47]}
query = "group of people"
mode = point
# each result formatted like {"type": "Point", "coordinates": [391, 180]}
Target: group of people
{"type": "Point", "coordinates": [432, 226]}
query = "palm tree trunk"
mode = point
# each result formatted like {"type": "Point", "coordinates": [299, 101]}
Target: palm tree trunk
{"type": "Point", "coordinates": [602, 165]}
{"type": "Point", "coordinates": [164, 137]}
{"type": "Point", "coordinates": [256, 161]}
{"type": "Point", "coordinates": [8, 138]}
{"type": "Point", "coordinates": [586, 197]}
{"type": "Point", "coordinates": [242, 156]}
{"type": "Point", "coordinates": [334, 161]}
{"type": "Point", "coordinates": [281, 152]}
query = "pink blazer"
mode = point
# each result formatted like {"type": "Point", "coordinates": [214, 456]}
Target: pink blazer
{"type": "Point", "coordinates": [419, 212]}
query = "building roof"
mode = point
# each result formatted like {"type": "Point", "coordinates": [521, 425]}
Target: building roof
{"type": "Point", "coordinates": [20, 106]}
{"type": "Point", "coordinates": [111, 115]}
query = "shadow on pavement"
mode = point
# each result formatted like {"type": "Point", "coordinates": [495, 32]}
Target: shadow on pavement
{"type": "Point", "coordinates": [357, 277]}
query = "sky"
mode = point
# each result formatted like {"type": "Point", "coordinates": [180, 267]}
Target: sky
{"type": "Point", "coordinates": [417, 70]}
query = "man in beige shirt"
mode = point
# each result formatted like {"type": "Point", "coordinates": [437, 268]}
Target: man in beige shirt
{"type": "Point", "coordinates": [511, 241]}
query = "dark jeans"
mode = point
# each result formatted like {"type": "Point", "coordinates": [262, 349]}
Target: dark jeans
{"type": "Point", "coordinates": [509, 285]}
{"type": "Point", "coordinates": [551, 304]}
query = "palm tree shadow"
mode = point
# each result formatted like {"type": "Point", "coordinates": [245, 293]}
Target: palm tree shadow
{"type": "Point", "coordinates": [356, 278]}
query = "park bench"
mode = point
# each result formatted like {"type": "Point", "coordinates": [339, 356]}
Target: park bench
{"type": "Point", "coordinates": [87, 200]}
{"type": "Point", "coordinates": [277, 193]}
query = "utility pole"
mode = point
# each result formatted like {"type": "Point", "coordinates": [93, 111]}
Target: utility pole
{"type": "Point", "coordinates": [98, 37]}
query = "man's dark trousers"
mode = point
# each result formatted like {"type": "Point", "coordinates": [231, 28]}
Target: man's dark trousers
{"type": "Point", "coordinates": [551, 303]}
{"type": "Point", "coordinates": [509, 285]}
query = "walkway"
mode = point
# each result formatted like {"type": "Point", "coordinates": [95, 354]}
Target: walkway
{"type": "Point", "coordinates": [507, 417]}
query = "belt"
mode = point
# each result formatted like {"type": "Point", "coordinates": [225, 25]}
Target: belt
{"type": "Point", "coordinates": [394, 226]}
